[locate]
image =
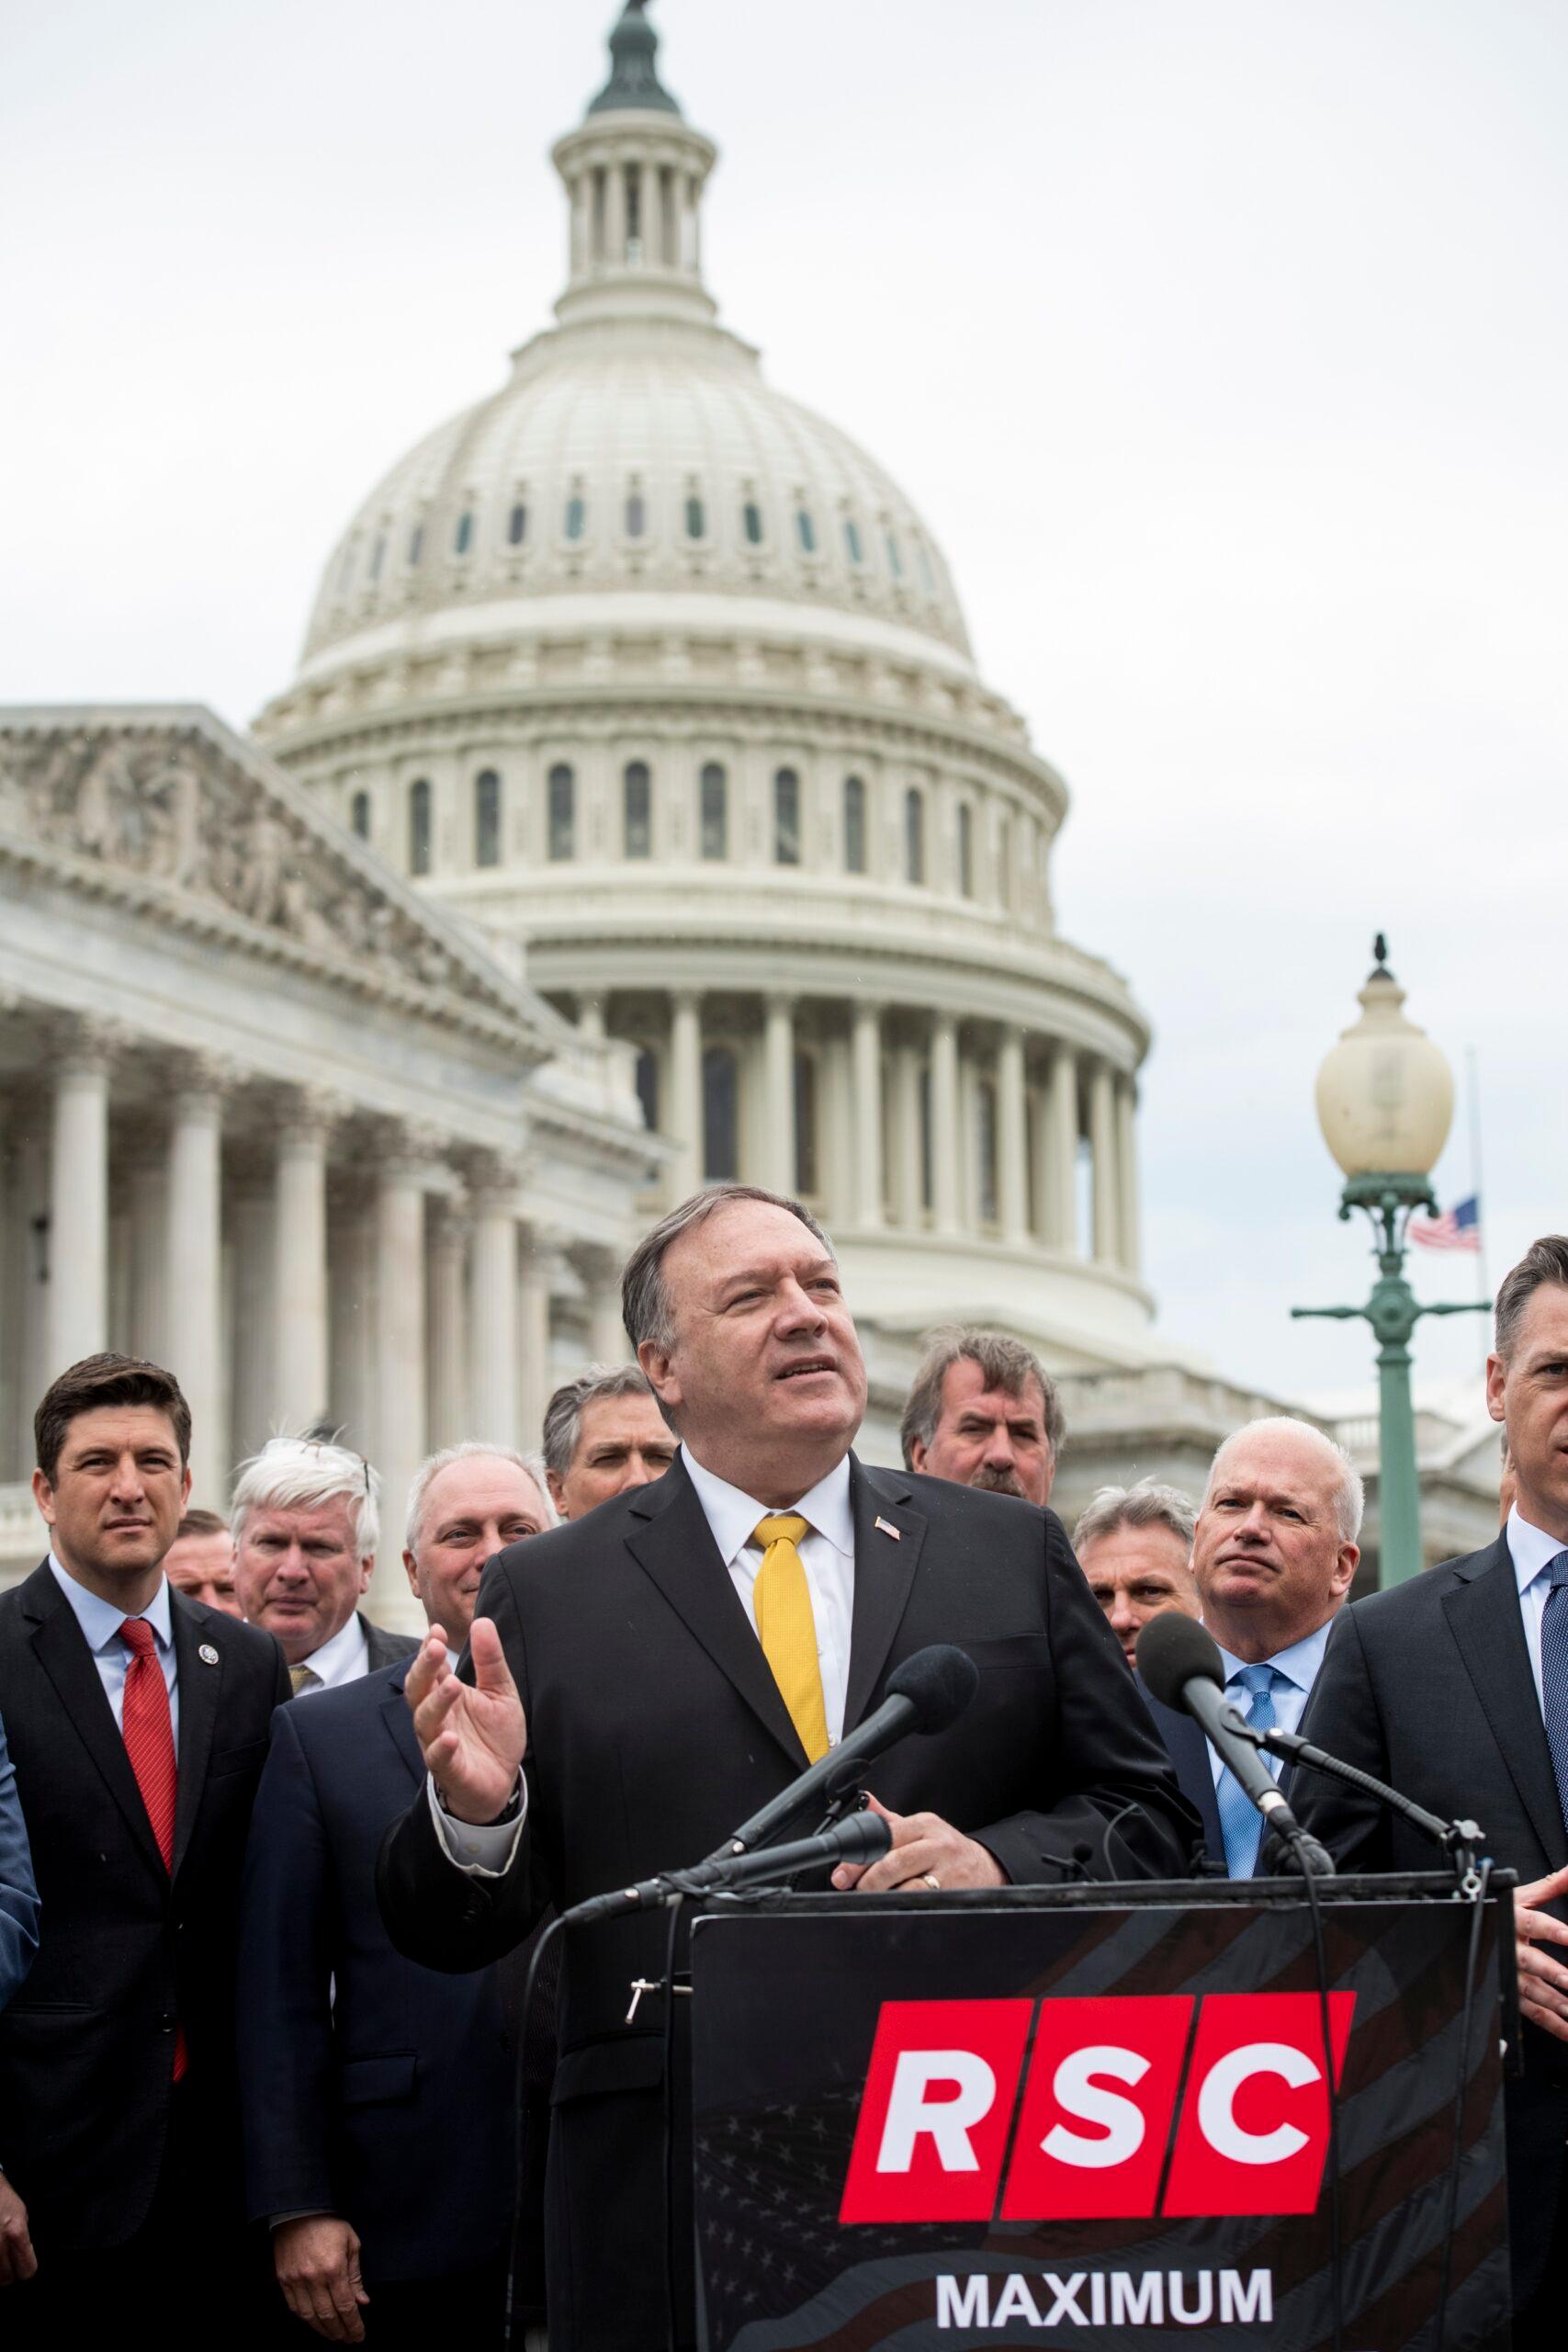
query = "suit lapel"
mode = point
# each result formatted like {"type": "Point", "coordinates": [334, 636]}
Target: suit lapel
{"type": "Point", "coordinates": [62, 1650]}
{"type": "Point", "coordinates": [201, 1687]}
{"type": "Point", "coordinates": [885, 1569]}
{"type": "Point", "coordinates": [669, 1538]}
{"type": "Point", "coordinates": [1484, 1618]}
{"type": "Point", "coordinates": [400, 1729]}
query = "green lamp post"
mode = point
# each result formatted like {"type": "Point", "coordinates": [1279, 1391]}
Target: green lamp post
{"type": "Point", "coordinates": [1385, 1102]}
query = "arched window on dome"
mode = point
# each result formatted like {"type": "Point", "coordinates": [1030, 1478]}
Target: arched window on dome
{"type": "Point", "coordinates": [805, 531]}
{"type": "Point", "coordinates": [966, 850]}
{"type": "Point", "coordinates": [751, 522]}
{"type": "Point", "coordinates": [419, 826]}
{"type": "Point", "coordinates": [787, 818]}
{"type": "Point", "coordinates": [697, 518]}
{"type": "Point", "coordinates": [713, 812]}
{"type": "Point", "coordinates": [416, 543]}
{"type": "Point", "coordinates": [463, 536]}
{"type": "Point", "coordinates": [854, 825]}
{"type": "Point", "coordinates": [894, 561]}
{"type": "Point", "coordinates": [986, 1148]}
{"type": "Point", "coordinates": [487, 818]}
{"type": "Point", "coordinates": [637, 514]}
{"type": "Point", "coordinates": [855, 551]}
{"type": "Point", "coordinates": [359, 815]}
{"type": "Point", "coordinates": [808, 1156]}
{"type": "Point", "coordinates": [637, 810]}
{"type": "Point", "coordinates": [647, 1081]}
{"type": "Point", "coordinates": [1006, 879]}
{"type": "Point", "coordinates": [721, 1116]}
{"type": "Point", "coordinates": [561, 791]}
{"type": "Point", "coordinates": [914, 834]}
{"type": "Point", "coordinates": [377, 554]}
{"type": "Point", "coordinates": [517, 525]}
{"type": "Point", "coordinates": [576, 515]}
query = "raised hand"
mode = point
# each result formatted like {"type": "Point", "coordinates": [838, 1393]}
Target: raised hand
{"type": "Point", "coordinates": [1543, 1979]}
{"type": "Point", "coordinates": [471, 1736]}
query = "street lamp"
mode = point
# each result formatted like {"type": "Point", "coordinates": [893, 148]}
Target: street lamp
{"type": "Point", "coordinates": [1385, 1102]}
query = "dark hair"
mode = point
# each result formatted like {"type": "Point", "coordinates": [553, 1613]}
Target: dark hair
{"type": "Point", "coordinates": [1545, 1260]}
{"type": "Point", "coordinates": [645, 1302]}
{"type": "Point", "coordinates": [1005, 1363]}
{"type": "Point", "coordinates": [107, 1379]}
{"type": "Point", "coordinates": [563, 1414]}
{"type": "Point", "coordinates": [202, 1522]}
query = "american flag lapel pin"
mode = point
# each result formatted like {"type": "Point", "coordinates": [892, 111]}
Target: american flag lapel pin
{"type": "Point", "coordinates": [888, 1528]}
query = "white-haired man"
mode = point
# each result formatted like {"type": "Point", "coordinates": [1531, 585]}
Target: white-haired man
{"type": "Point", "coordinates": [306, 1524]}
{"type": "Point", "coordinates": [1274, 1552]}
{"type": "Point", "coordinates": [1134, 1545]}
{"type": "Point", "coordinates": [378, 2098]}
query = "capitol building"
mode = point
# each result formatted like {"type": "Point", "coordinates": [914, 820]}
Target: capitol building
{"type": "Point", "coordinates": [637, 816]}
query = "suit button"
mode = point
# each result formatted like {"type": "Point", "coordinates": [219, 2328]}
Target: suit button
{"type": "Point", "coordinates": [166, 2022]}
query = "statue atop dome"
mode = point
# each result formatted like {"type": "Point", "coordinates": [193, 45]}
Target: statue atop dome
{"type": "Point", "coordinates": [634, 80]}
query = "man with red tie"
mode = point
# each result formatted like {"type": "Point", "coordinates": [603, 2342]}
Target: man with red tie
{"type": "Point", "coordinates": [138, 1728]}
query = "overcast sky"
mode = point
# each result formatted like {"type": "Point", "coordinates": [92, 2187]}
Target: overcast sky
{"type": "Point", "coordinates": [1221, 342]}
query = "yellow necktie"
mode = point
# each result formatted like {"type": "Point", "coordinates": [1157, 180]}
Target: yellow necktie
{"type": "Point", "coordinates": [304, 1678]}
{"type": "Point", "coordinates": [788, 1629]}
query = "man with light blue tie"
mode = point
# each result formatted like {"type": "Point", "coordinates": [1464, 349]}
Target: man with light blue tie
{"type": "Point", "coordinates": [1273, 1555]}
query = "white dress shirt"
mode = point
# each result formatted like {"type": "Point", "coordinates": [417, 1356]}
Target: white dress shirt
{"type": "Point", "coordinates": [827, 1556]}
{"type": "Point", "coordinates": [100, 1621]}
{"type": "Point", "coordinates": [342, 1659]}
{"type": "Point", "coordinates": [1530, 1549]}
{"type": "Point", "coordinates": [1299, 1665]}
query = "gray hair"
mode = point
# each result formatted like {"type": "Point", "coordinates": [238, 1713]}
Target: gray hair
{"type": "Point", "coordinates": [1545, 1260]}
{"type": "Point", "coordinates": [563, 1414]}
{"type": "Point", "coordinates": [471, 1450]}
{"type": "Point", "coordinates": [645, 1297]}
{"type": "Point", "coordinates": [1005, 1363]}
{"type": "Point", "coordinates": [303, 1473]}
{"type": "Point", "coordinates": [1349, 1496]}
{"type": "Point", "coordinates": [1149, 1504]}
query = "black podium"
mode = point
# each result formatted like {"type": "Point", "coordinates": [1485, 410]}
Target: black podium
{"type": "Point", "coordinates": [1102, 2116]}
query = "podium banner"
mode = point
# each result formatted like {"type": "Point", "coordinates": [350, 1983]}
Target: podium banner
{"type": "Point", "coordinates": [1098, 2116]}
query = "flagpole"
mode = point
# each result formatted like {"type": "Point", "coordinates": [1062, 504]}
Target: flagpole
{"type": "Point", "coordinates": [1473, 1084]}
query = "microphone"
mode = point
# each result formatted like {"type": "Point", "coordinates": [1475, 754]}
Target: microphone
{"type": "Point", "coordinates": [860, 1837]}
{"type": "Point", "coordinates": [929, 1691]}
{"type": "Point", "coordinates": [1181, 1663]}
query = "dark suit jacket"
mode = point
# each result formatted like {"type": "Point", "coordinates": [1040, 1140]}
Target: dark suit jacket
{"type": "Point", "coordinates": [1430, 1686]}
{"type": "Point", "coordinates": [655, 1725]}
{"type": "Point", "coordinates": [385, 1648]}
{"type": "Point", "coordinates": [1189, 1752]}
{"type": "Point", "coordinates": [18, 1889]}
{"type": "Point", "coordinates": [86, 2051]}
{"type": "Point", "coordinates": [391, 2102]}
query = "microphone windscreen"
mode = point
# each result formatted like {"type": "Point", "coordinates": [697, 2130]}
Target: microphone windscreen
{"type": "Point", "coordinates": [940, 1682]}
{"type": "Point", "coordinates": [1172, 1650]}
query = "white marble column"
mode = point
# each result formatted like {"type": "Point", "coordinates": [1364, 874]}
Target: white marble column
{"type": "Point", "coordinates": [1062, 1152]}
{"type": "Point", "coordinates": [779, 1170]}
{"type": "Point", "coordinates": [252, 1340]}
{"type": "Point", "coordinates": [195, 1287]}
{"type": "Point", "coordinates": [1127, 1162]}
{"type": "Point", "coordinates": [1012, 1168]}
{"type": "Point", "coordinates": [534, 1372]}
{"type": "Point", "coordinates": [1103, 1144]}
{"type": "Point", "coordinates": [946, 1140]}
{"type": "Point", "coordinates": [908, 1197]}
{"type": "Point", "coordinates": [493, 1410]}
{"type": "Point", "coordinates": [866, 1053]}
{"type": "Point", "coordinates": [300, 1378]}
{"type": "Point", "coordinates": [400, 1374]}
{"type": "Point", "coordinates": [1038, 1114]}
{"type": "Point", "coordinates": [590, 1019]}
{"type": "Point", "coordinates": [447, 1328]}
{"type": "Point", "coordinates": [79, 1207]}
{"type": "Point", "coordinates": [149, 1241]}
{"type": "Point", "coordinates": [615, 216]}
{"type": "Point", "coordinates": [685, 1120]}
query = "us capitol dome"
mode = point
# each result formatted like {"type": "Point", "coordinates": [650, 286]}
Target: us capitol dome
{"type": "Point", "coordinates": [660, 679]}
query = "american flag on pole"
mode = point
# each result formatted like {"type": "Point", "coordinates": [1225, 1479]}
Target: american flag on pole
{"type": "Point", "coordinates": [1457, 1228]}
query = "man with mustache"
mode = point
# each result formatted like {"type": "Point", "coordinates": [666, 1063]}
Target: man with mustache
{"type": "Point", "coordinates": [673, 1660]}
{"type": "Point", "coordinates": [983, 1412]}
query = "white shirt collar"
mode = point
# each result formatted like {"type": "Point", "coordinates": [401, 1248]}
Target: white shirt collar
{"type": "Point", "coordinates": [345, 1657]}
{"type": "Point", "coordinates": [1299, 1664]}
{"type": "Point", "coordinates": [1530, 1549]}
{"type": "Point", "coordinates": [100, 1619]}
{"type": "Point", "coordinates": [733, 1516]}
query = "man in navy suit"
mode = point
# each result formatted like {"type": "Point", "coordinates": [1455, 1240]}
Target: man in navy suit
{"type": "Point", "coordinates": [377, 2096]}
{"type": "Point", "coordinates": [1274, 1552]}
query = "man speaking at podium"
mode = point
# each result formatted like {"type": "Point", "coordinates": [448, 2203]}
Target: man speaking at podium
{"type": "Point", "coordinates": [671, 1662]}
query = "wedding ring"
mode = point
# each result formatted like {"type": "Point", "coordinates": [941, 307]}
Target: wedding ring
{"type": "Point", "coordinates": [932, 1881]}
